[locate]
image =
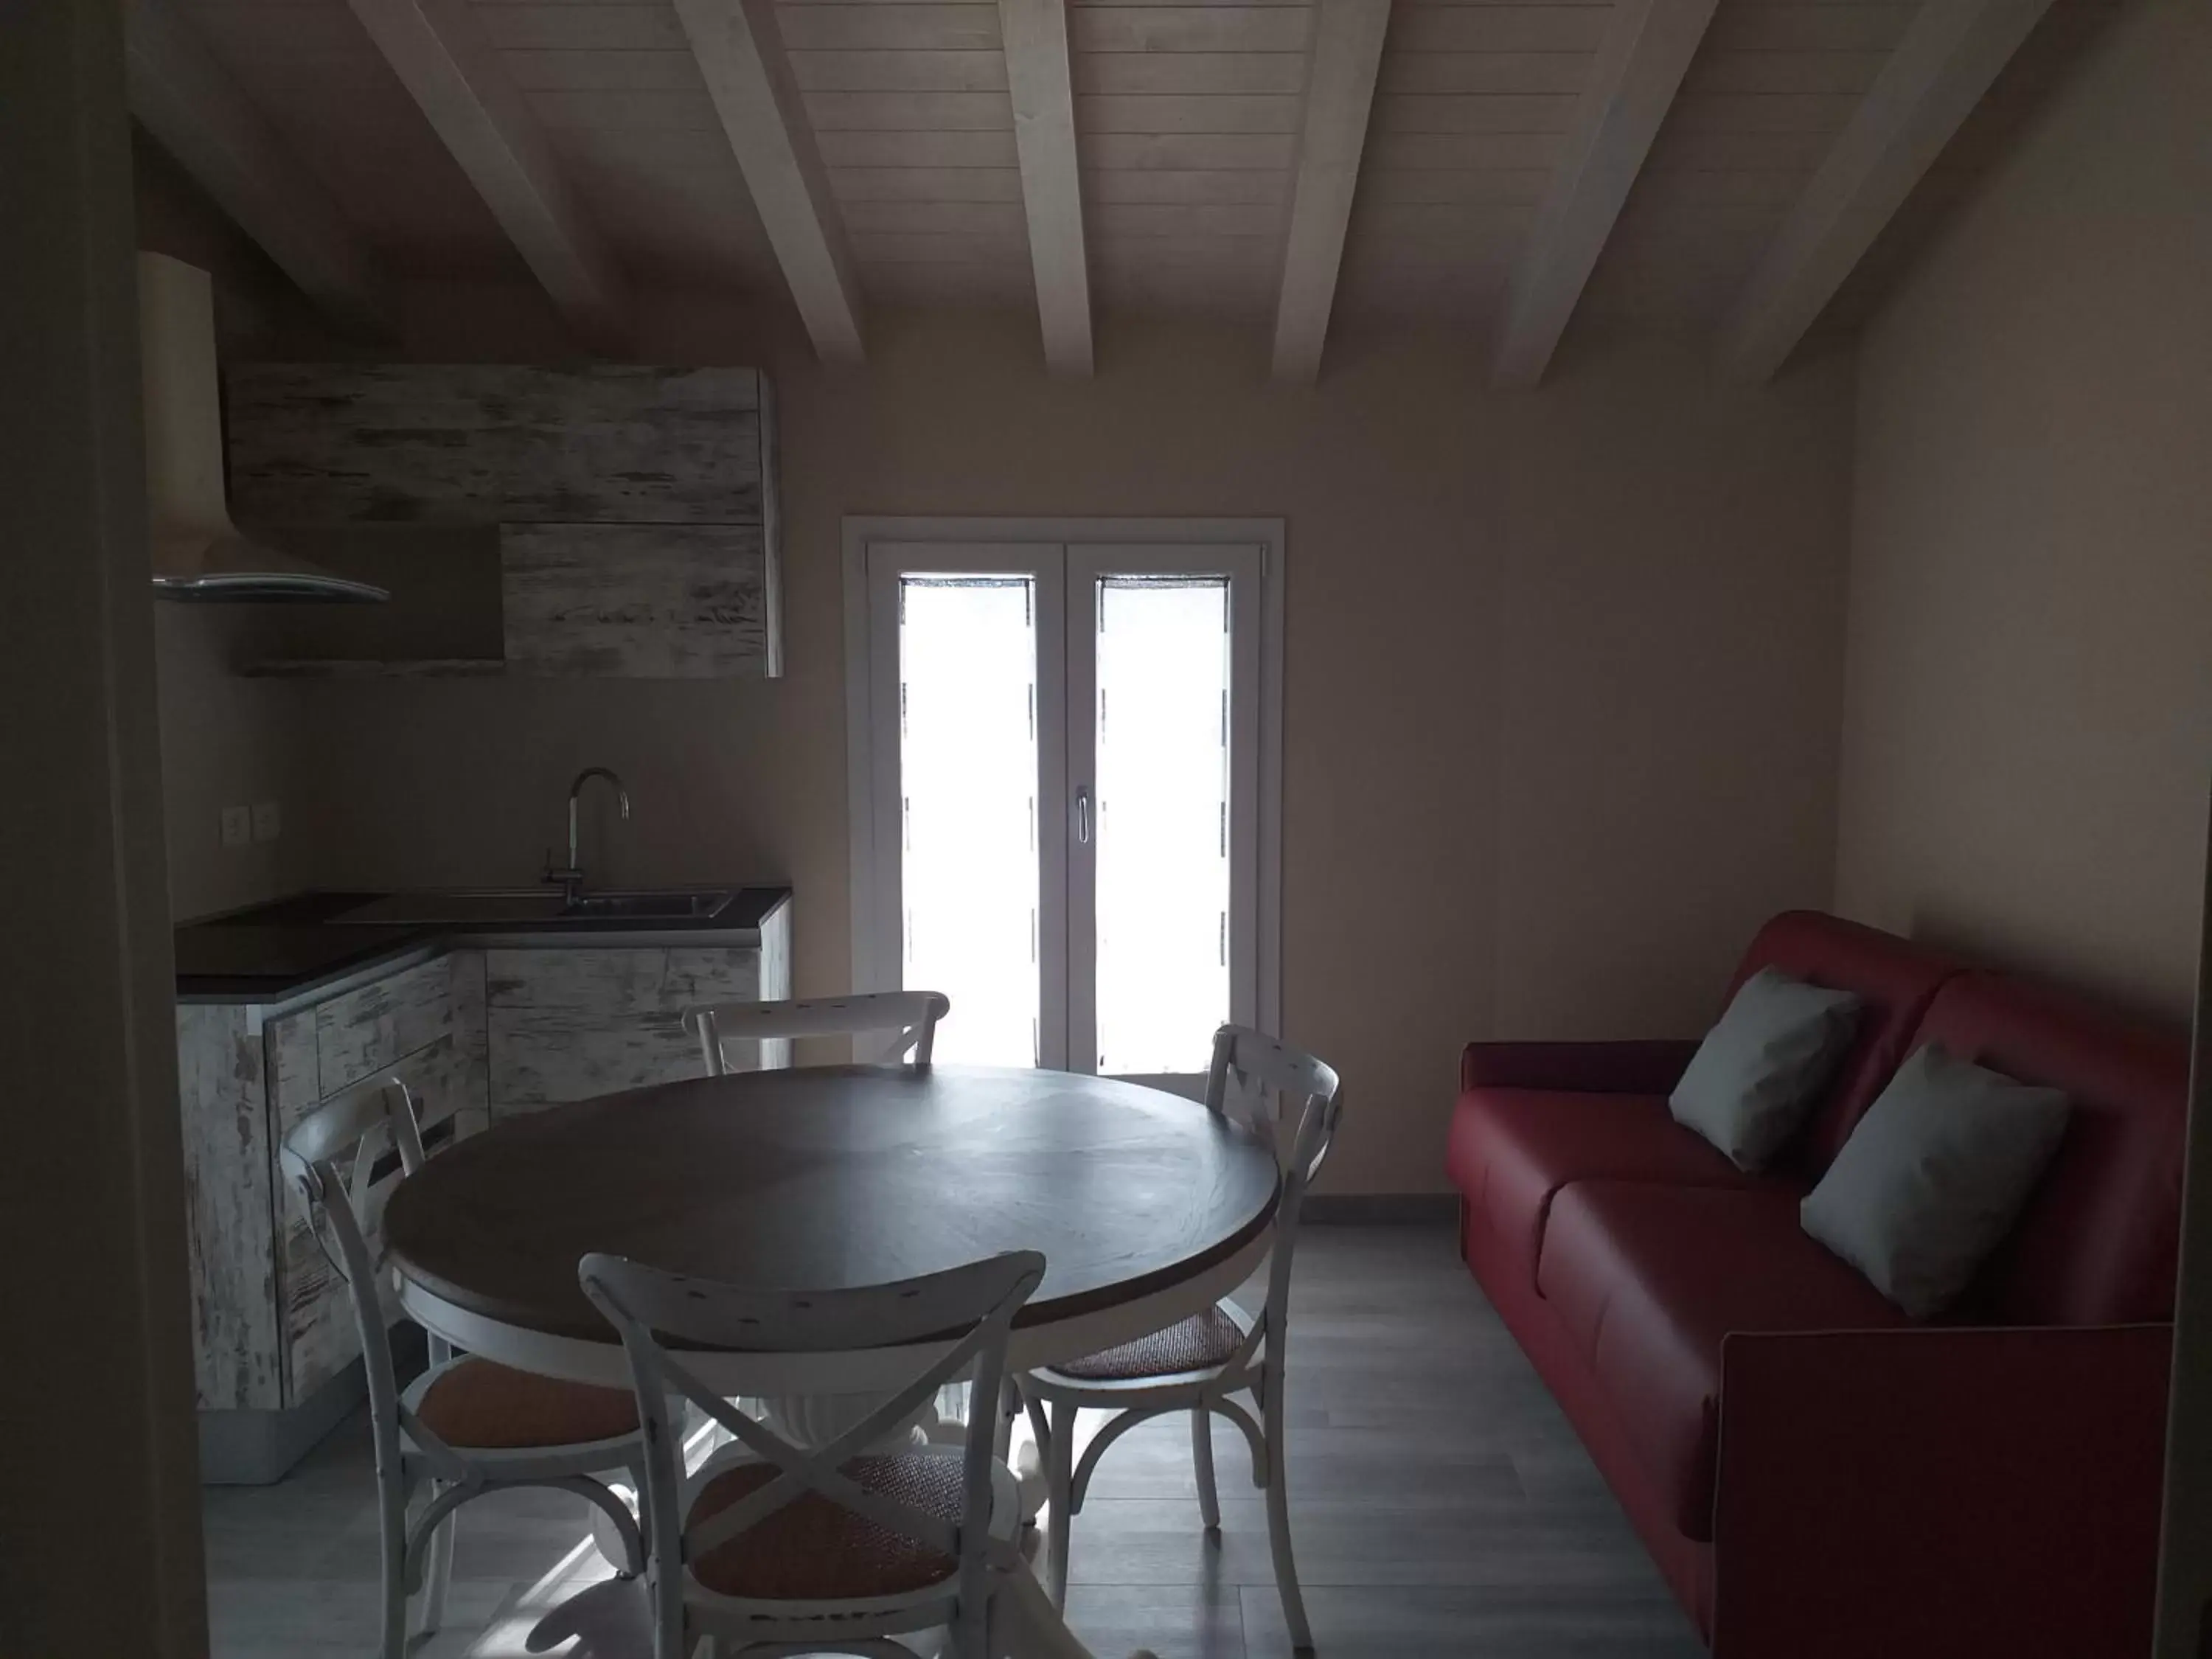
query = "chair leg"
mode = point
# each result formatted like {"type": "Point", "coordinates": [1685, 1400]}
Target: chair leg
{"type": "Point", "coordinates": [391, 1528]}
{"type": "Point", "coordinates": [1202, 1457]}
{"type": "Point", "coordinates": [1060, 1494]}
{"type": "Point", "coordinates": [1279, 1516]}
{"type": "Point", "coordinates": [969, 1634]}
{"type": "Point", "coordinates": [438, 1577]}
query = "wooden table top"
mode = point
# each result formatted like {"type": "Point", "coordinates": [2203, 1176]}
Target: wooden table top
{"type": "Point", "coordinates": [824, 1177]}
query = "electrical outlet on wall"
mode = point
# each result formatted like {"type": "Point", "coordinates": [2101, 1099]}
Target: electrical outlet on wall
{"type": "Point", "coordinates": [237, 826]}
{"type": "Point", "coordinates": [268, 820]}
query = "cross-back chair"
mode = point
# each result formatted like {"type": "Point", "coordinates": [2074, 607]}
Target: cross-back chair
{"type": "Point", "coordinates": [1198, 1365]}
{"type": "Point", "coordinates": [910, 1018]}
{"type": "Point", "coordinates": [773, 1546]}
{"type": "Point", "coordinates": [466, 1427]}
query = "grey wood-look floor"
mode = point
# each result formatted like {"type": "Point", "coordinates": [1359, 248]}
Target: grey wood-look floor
{"type": "Point", "coordinates": [1440, 1504]}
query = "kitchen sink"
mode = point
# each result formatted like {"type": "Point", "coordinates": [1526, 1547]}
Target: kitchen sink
{"type": "Point", "coordinates": [536, 906]}
{"type": "Point", "coordinates": [645, 907]}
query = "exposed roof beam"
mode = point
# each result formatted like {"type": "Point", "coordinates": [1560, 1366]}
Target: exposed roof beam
{"type": "Point", "coordinates": [1640, 64]}
{"type": "Point", "coordinates": [196, 112]}
{"type": "Point", "coordinates": [1947, 59]}
{"type": "Point", "coordinates": [441, 54]}
{"type": "Point", "coordinates": [1037, 75]}
{"type": "Point", "coordinates": [1348, 54]}
{"type": "Point", "coordinates": [742, 60]}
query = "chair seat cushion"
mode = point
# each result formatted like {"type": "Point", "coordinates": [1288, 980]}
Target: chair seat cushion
{"type": "Point", "coordinates": [1649, 1280]}
{"type": "Point", "coordinates": [1512, 1148]}
{"type": "Point", "coordinates": [1206, 1339]}
{"type": "Point", "coordinates": [814, 1549]}
{"type": "Point", "coordinates": [478, 1405]}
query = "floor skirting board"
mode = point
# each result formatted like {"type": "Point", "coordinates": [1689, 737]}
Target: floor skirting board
{"type": "Point", "coordinates": [1380, 1209]}
{"type": "Point", "coordinates": [257, 1449]}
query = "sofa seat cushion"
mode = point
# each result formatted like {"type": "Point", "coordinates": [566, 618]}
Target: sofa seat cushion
{"type": "Point", "coordinates": [1512, 1148]}
{"type": "Point", "coordinates": [1648, 1279]}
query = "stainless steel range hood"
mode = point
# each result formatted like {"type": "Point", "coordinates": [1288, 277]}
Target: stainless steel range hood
{"type": "Point", "coordinates": [198, 553]}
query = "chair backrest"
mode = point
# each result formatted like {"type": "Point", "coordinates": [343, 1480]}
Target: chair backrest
{"type": "Point", "coordinates": [910, 1016]}
{"type": "Point", "coordinates": [1301, 1128]}
{"type": "Point", "coordinates": [961, 1318]}
{"type": "Point", "coordinates": [346, 1156]}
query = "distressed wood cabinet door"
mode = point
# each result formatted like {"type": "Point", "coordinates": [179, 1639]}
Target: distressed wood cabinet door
{"type": "Point", "coordinates": [570, 1024]}
{"type": "Point", "coordinates": [497, 443]}
{"type": "Point", "coordinates": [320, 1337]}
{"type": "Point", "coordinates": [638, 601]}
{"type": "Point", "coordinates": [419, 1024]}
{"type": "Point", "coordinates": [224, 1101]}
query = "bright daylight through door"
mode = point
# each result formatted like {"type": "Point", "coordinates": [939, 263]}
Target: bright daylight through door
{"type": "Point", "coordinates": [1062, 745]}
{"type": "Point", "coordinates": [1161, 722]}
{"type": "Point", "coordinates": [968, 780]}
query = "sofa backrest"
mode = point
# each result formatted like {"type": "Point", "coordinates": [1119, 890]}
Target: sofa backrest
{"type": "Point", "coordinates": [2098, 1242]}
{"type": "Point", "coordinates": [1894, 979]}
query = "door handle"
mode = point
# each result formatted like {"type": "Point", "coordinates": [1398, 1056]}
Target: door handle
{"type": "Point", "coordinates": [1083, 816]}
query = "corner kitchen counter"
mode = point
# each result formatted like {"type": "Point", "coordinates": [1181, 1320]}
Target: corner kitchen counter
{"type": "Point", "coordinates": [283, 1007]}
{"type": "Point", "coordinates": [291, 948]}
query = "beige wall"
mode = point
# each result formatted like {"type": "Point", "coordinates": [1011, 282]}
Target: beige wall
{"type": "Point", "coordinates": [2029, 711]}
{"type": "Point", "coordinates": [225, 741]}
{"type": "Point", "coordinates": [1563, 671]}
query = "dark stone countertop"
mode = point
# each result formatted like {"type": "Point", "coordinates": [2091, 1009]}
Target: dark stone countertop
{"type": "Point", "coordinates": [274, 951]}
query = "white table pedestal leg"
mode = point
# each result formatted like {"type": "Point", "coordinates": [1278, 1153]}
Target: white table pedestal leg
{"type": "Point", "coordinates": [812, 1420]}
{"type": "Point", "coordinates": [1024, 1624]}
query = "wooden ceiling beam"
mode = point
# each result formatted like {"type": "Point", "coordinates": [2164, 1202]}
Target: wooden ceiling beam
{"type": "Point", "coordinates": [1948, 58]}
{"type": "Point", "coordinates": [1347, 55]}
{"type": "Point", "coordinates": [1037, 75]}
{"type": "Point", "coordinates": [1646, 51]}
{"type": "Point", "coordinates": [196, 111]}
{"type": "Point", "coordinates": [741, 57]}
{"type": "Point", "coordinates": [443, 57]}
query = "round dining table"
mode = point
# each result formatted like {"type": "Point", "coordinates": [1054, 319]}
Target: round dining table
{"type": "Point", "coordinates": [1145, 1205]}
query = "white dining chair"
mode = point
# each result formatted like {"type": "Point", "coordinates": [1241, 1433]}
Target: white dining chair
{"type": "Point", "coordinates": [910, 1016]}
{"type": "Point", "coordinates": [466, 1427]}
{"type": "Point", "coordinates": [1198, 1365]}
{"type": "Point", "coordinates": [771, 1547]}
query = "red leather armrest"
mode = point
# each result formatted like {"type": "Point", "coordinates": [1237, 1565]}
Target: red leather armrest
{"type": "Point", "coordinates": [1609, 1068]}
{"type": "Point", "coordinates": [1940, 1492]}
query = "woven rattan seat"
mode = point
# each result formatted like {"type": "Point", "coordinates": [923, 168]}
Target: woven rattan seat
{"type": "Point", "coordinates": [1206, 1339]}
{"type": "Point", "coordinates": [478, 1405]}
{"type": "Point", "coordinates": [813, 1549]}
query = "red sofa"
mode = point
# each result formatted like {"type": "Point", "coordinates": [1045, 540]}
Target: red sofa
{"type": "Point", "coordinates": [1815, 1474]}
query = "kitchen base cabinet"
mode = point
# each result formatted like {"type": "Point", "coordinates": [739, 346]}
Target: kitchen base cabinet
{"type": "Point", "coordinates": [276, 1339]}
{"type": "Point", "coordinates": [568, 1022]}
{"type": "Point", "coordinates": [476, 1030]}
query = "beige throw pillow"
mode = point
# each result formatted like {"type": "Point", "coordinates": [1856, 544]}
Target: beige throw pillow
{"type": "Point", "coordinates": [1757, 1074]}
{"type": "Point", "coordinates": [1934, 1176]}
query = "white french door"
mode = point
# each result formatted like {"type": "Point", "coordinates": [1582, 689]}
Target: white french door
{"type": "Point", "coordinates": [1064, 747]}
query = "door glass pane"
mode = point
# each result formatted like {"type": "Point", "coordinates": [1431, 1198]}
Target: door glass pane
{"type": "Point", "coordinates": [1162, 833]}
{"type": "Point", "coordinates": [968, 771]}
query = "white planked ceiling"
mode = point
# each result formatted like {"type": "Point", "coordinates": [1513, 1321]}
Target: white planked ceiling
{"type": "Point", "coordinates": [1186, 118]}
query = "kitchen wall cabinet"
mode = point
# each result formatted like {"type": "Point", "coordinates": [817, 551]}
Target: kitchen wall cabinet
{"type": "Point", "coordinates": [635, 508]}
{"type": "Point", "coordinates": [638, 601]}
{"type": "Point", "coordinates": [315, 444]}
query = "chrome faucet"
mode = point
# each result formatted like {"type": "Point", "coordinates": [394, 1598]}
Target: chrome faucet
{"type": "Point", "coordinates": [571, 875]}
